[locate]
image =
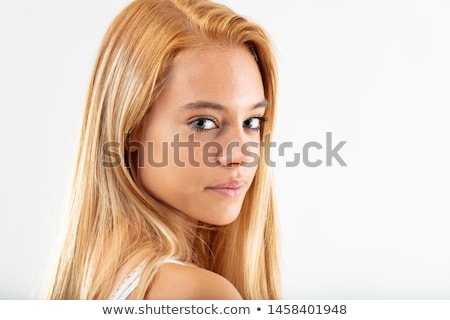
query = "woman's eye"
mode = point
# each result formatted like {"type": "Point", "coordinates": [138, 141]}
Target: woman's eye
{"type": "Point", "coordinates": [254, 123]}
{"type": "Point", "coordinates": [203, 124]}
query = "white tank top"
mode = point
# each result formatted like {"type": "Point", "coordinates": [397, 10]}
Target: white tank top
{"type": "Point", "coordinates": [126, 287]}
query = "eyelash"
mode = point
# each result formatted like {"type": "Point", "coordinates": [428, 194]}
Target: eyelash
{"type": "Point", "coordinates": [202, 118]}
{"type": "Point", "coordinates": [261, 123]}
{"type": "Point", "coordinates": [262, 120]}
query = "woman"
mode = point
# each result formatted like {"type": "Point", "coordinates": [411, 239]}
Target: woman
{"type": "Point", "coordinates": [171, 199]}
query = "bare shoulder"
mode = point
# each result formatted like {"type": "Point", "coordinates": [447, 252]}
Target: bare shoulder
{"type": "Point", "coordinates": [187, 282]}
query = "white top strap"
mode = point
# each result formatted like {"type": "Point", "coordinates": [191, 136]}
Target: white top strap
{"type": "Point", "coordinates": [175, 261]}
{"type": "Point", "coordinates": [128, 284]}
{"type": "Point", "coordinates": [126, 287]}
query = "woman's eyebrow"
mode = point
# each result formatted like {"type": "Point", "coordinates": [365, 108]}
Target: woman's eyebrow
{"type": "Point", "coordinates": [198, 105]}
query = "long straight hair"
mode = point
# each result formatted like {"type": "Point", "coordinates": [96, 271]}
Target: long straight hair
{"type": "Point", "coordinates": [113, 220]}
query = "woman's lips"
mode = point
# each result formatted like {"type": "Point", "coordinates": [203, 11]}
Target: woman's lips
{"type": "Point", "coordinates": [229, 189]}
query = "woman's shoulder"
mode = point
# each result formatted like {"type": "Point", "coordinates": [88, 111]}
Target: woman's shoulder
{"type": "Point", "coordinates": [176, 281]}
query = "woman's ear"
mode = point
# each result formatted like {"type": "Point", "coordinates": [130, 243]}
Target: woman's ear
{"type": "Point", "coordinates": [132, 141]}
{"type": "Point", "coordinates": [133, 146]}
{"type": "Point", "coordinates": [133, 149]}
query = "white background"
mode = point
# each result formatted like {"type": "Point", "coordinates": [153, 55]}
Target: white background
{"type": "Point", "coordinates": [374, 73]}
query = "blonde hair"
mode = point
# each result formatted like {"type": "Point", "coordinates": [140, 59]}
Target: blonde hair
{"type": "Point", "coordinates": [112, 217]}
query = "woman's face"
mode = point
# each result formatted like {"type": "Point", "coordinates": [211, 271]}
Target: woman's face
{"type": "Point", "coordinates": [199, 144]}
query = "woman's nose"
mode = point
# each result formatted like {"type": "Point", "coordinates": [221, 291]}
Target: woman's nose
{"type": "Point", "coordinates": [237, 149]}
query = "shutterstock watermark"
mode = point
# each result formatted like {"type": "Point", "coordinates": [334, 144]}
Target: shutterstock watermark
{"type": "Point", "coordinates": [210, 151]}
